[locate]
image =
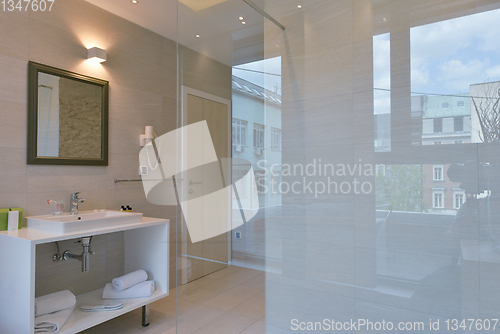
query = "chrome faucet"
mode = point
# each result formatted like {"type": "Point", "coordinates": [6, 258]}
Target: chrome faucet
{"type": "Point", "coordinates": [74, 202]}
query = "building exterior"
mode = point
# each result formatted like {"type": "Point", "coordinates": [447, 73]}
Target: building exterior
{"type": "Point", "coordinates": [256, 136]}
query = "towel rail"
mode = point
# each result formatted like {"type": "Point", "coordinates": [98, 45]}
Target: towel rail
{"type": "Point", "coordinates": [139, 180]}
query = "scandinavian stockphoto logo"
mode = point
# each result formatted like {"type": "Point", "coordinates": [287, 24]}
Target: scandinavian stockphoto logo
{"type": "Point", "coordinates": [183, 168]}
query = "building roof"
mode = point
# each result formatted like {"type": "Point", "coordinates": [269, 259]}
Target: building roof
{"type": "Point", "coordinates": [447, 106]}
{"type": "Point", "coordinates": [245, 87]}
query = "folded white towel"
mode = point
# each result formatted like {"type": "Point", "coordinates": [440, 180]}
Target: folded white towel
{"type": "Point", "coordinates": [126, 281]}
{"type": "Point", "coordinates": [53, 322]}
{"type": "Point", "coordinates": [143, 289]}
{"type": "Point", "coordinates": [54, 302]}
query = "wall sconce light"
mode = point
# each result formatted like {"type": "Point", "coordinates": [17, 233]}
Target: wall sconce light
{"type": "Point", "coordinates": [147, 137]}
{"type": "Point", "coordinates": [96, 54]}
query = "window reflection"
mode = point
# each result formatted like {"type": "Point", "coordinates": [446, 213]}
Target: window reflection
{"type": "Point", "coordinates": [455, 68]}
{"type": "Point", "coordinates": [382, 91]}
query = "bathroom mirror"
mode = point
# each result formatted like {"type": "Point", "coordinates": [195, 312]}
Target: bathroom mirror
{"type": "Point", "coordinates": [67, 117]}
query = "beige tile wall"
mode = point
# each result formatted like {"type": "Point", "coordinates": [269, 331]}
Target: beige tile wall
{"type": "Point", "coordinates": [142, 71]}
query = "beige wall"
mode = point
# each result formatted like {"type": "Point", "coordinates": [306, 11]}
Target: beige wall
{"type": "Point", "coordinates": [142, 71]}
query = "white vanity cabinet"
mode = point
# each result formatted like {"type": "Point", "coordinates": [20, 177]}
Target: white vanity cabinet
{"type": "Point", "coordinates": [146, 247]}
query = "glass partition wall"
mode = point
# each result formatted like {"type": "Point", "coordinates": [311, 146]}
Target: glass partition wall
{"type": "Point", "coordinates": [229, 117]}
{"type": "Point", "coordinates": [390, 137]}
{"type": "Point", "coordinates": [358, 143]}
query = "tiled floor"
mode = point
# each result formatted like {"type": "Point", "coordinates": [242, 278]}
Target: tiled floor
{"type": "Point", "coordinates": [229, 301]}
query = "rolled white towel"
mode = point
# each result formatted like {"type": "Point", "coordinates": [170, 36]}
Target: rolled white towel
{"type": "Point", "coordinates": [143, 289]}
{"type": "Point", "coordinates": [53, 322]}
{"type": "Point", "coordinates": [126, 281]}
{"type": "Point", "coordinates": [53, 302]}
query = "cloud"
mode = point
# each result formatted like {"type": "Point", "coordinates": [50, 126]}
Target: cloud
{"type": "Point", "coordinates": [456, 75]}
{"type": "Point", "coordinates": [382, 61]}
{"type": "Point", "coordinates": [449, 56]}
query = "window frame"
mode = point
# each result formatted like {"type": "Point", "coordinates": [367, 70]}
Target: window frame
{"type": "Point", "coordinates": [275, 139]}
{"type": "Point", "coordinates": [441, 194]}
{"type": "Point", "coordinates": [434, 168]}
{"type": "Point", "coordinates": [242, 134]}
{"type": "Point", "coordinates": [258, 135]}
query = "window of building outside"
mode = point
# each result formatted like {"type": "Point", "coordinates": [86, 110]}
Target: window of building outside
{"type": "Point", "coordinates": [458, 199]}
{"type": "Point", "coordinates": [437, 173]}
{"type": "Point", "coordinates": [239, 132]}
{"type": "Point", "coordinates": [258, 135]}
{"type": "Point", "coordinates": [438, 125]}
{"type": "Point", "coordinates": [446, 105]}
{"type": "Point", "coordinates": [437, 199]}
{"type": "Point", "coordinates": [460, 103]}
{"type": "Point", "coordinates": [459, 124]}
{"type": "Point", "coordinates": [276, 139]}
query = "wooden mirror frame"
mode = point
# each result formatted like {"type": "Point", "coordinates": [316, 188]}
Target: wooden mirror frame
{"type": "Point", "coordinates": [33, 159]}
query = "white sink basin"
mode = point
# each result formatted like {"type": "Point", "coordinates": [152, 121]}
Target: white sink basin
{"type": "Point", "coordinates": [83, 221]}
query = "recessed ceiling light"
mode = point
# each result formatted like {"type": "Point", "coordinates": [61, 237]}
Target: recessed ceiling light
{"type": "Point", "coordinates": [299, 6]}
{"type": "Point", "coordinates": [241, 18]}
{"type": "Point", "coordinates": [135, 1]}
{"type": "Point", "coordinates": [243, 22]}
{"type": "Point", "coordinates": [197, 36]}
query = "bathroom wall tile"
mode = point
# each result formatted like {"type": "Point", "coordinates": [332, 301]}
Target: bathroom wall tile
{"type": "Point", "coordinates": [13, 126]}
{"type": "Point", "coordinates": [134, 105]}
{"type": "Point", "coordinates": [314, 64]}
{"type": "Point", "coordinates": [45, 40]}
{"type": "Point", "coordinates": [14, 200]}
{"type": "Point", "coordinates": [15, 34]}
{"type": "Point", "coordinates": [124, 136]}
{"type": "Point", "coordinates": [13, 165]}
{"type": "Point", "coordinates": [67, 183]}
{"type": "Point", "coordinates": [46, 171]}
{"type": "Point", "coordinates": [131, 38]}
{"type": "Point", "coordinates": [13, 87]}
{"type": "Point", "coordinates": [328, 25]}
{"type": "Point", "coordinates": [134, 72]}
{"type": "Point", "coordinates": [169, 114]}
{"type": "Point", "coordinates": [64, 14]}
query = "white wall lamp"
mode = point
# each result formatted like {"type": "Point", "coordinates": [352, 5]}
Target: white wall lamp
{"type": "Point", "coordinates": [147, 137]}
{"type": "Point", "coordinates": [96, 54]}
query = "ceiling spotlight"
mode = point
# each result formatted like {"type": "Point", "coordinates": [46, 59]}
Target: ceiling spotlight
{"type": "Point", "coordinates": [243, 22]}
{"type": "Point", "coordinates": [197, 36]}
{"type": "Point", "coordinates": [135, 1]}
{"type": "Point", "coordinates": [241, 18]}
{"type": "Point", "coordinates": [299, 6]}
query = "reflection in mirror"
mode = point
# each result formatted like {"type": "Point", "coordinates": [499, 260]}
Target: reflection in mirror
{"type": "Point", "coordinates": [69, 118]}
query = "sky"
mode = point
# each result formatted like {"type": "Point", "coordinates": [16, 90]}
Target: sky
{"type": "Point", "coordinates": [272, 65]}
{"type": "Point", "coordinates": [446, 57]}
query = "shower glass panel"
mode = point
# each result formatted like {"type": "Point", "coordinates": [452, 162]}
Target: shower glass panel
{"type": "Point", "coordinates": [401, 236]}
{"type": "Point", "coordinates": [234, 107]}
